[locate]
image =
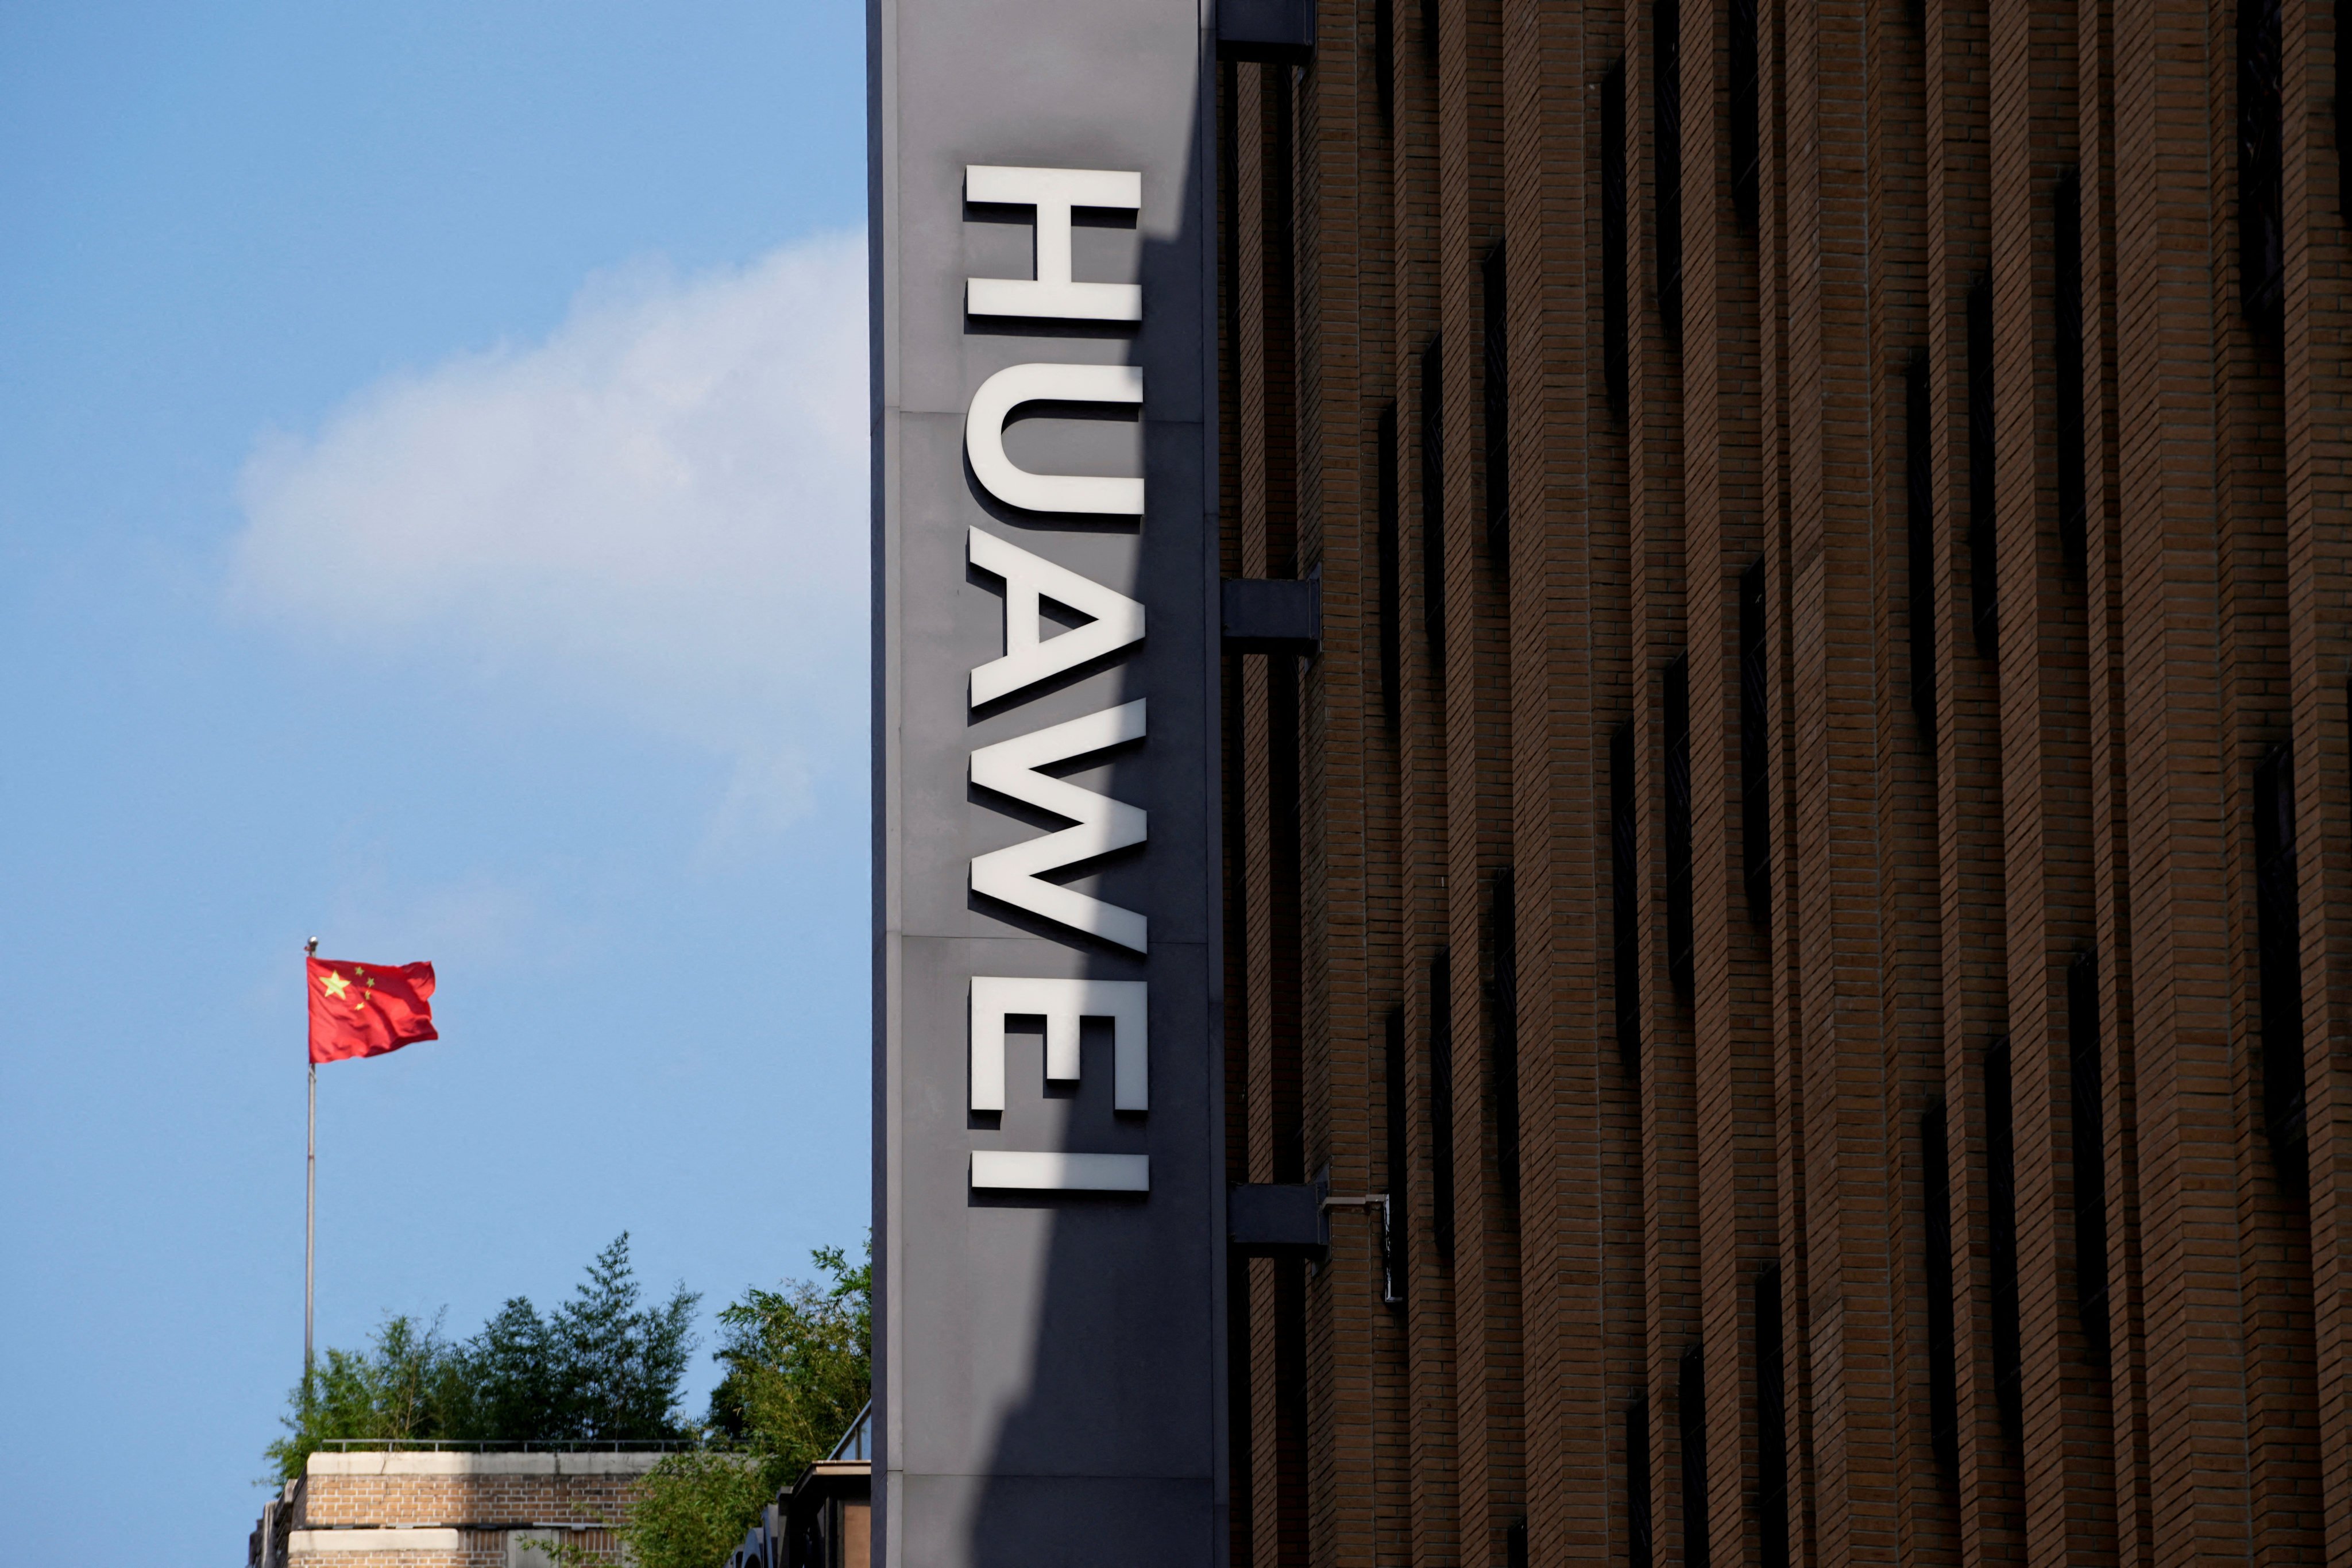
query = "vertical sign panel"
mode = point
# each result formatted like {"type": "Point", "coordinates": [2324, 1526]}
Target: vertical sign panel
{"type": "Point", "coordinates": [1049, 1197]}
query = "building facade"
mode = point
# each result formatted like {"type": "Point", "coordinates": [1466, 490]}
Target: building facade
{"type": "Point", "coordinates": [1810, 863]}
{"type": "Point", "coordinates": [381, 1505]}
{"type": "Point", "coordinates": [370, 1505]}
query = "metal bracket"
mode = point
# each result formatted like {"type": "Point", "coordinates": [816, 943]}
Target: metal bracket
{"type": "Point", "coordinates": [1391, 1294]}
{"type": "Point", "coordinates": [1279, 1219]}
{"type": "Point", "coordinates": [1274, 614]}
{"type": "Point", "coordinates": [1279, 30]}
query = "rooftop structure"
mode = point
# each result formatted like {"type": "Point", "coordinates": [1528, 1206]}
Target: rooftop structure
{"type": "Point", "coordinates": [448, 1507]}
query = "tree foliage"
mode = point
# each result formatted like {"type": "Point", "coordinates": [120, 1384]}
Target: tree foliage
{"type": "Point", "coordinates": [799, 1364]}
{"type": "Point", "coordinates": [694, 1507]}
{"type": "Point", "coordinates": [403, 1385]}
{"type": "Point", "coordinates": [601, 1366]}
{"type": "Point", "coordinates": [604, 1365]}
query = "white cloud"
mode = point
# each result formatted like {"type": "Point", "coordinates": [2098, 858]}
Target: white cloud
{"type": "Point", "coordinates": [660, 510]}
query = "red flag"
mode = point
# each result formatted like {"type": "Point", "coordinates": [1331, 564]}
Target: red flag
{"type": "Point", "coordinates": [367, 1009]}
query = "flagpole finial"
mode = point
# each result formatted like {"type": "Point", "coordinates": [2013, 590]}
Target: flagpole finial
{"type": "Point", "coordinates": [311, 947]}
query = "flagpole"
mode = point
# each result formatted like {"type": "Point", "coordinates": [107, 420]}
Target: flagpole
{"type": "Point", "coordinates": [309, 1197]}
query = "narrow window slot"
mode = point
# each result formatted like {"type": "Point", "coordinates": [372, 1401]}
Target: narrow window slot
{"type": "Point", "coordinates": [2279, 942]}
{"type": "Point", "coordinates": [1746, 163]}
{"type": "Point", "coordinates": [1690, 1412]}
{"type": "Point", "coordinates": [1640, 1538]}
{"type": "Point", "coordinates": [2342, 71]}
{"type": "Point", "coordinates": [2262, 170]}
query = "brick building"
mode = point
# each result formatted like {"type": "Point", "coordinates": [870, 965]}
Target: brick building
{"type": "Point", "coordinates": [380, 1508]}
{"type": "Point", "coordinates": [1811, 859]}
{"type": "Point", "coordinates": [452, 1507]}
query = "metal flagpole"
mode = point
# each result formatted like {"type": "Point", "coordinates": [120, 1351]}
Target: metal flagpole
{"type": "Point", "coordinates": [310, 1189]}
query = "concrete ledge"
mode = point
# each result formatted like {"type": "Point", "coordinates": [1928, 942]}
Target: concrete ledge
{"type": "Point", "coordinates": [384, 1538]}
{"type": "Point", "coordinates": [378, 1463]}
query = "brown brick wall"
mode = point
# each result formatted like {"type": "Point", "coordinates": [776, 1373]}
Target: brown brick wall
{"type": "Point", "coordinates": [2086, 786]}
{"type": "Point", "coordinates": [333, 1501]}
{"type": "Point", "coordinates": [421, 1510]}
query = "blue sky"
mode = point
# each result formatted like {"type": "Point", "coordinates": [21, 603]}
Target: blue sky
{"type": "Point", "coordinates": [432, 518]}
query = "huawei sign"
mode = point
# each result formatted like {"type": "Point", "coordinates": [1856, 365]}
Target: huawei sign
{"type": "Point", "coordinates": [1018, 769]}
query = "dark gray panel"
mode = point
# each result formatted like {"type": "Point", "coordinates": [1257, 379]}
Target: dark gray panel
{"type": "Point", "coordinates": [1049, 1379]}
{"type": "Point", "coordinates": [1092, 1325]}
{"type": "Point", "coordinates": [1280, 30]}
{"type": "Point", "coordinates": [1032, 1522]}
{"type": "Point", "coordinates": [1277, 1219]}
{"type": "Point", "coordinates": [1266, 614]}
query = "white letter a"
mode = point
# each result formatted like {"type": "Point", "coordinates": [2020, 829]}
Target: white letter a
{"type": "Point", "coordinates": [1117, 622]}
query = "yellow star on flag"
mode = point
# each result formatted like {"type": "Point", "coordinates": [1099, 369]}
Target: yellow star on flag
{"type": "Point", "coordinates": [334, 985]}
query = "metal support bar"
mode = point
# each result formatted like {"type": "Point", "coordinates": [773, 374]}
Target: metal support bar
{"type": "Point", "coordinates": [1391, 1289]}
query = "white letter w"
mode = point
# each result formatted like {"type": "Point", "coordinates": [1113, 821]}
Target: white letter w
{"type": "Point", "coordinates": [1102, 825]}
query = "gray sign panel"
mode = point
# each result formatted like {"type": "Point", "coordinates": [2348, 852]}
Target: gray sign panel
{"type": "Point", "coordinates": [1049, 1193]}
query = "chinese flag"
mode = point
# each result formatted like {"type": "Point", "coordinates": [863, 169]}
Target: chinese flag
{"type": "Point", "coordinates": [367, 1009]}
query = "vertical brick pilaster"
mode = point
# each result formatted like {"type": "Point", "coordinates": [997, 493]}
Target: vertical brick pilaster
{"type": "Point", "coordinates": [1436, 1540]}
{"type": "Point", "coordinates": [1775, 247]}
{"type": "Point", "coordinates": [1900, 293]}
{"type": "Point", "coordinates": [1352, 1348]}
{"type": "Point", "coordinates": [2109, 749]}
{"type": "Point", "coordinates": [1983, 1476]}
{"type": "Point", "coordinates": [1840, 819]}
{"type": "Point", "coordinates": [2198, 1457]}
{"type": "Point", "coordinates": [1654, 509]}
{"type": "Point", "coordinates": [1732, 1013]}
{"type": "Point", "coordinates": [1477, 750]}
{"type": "Point", "coordinates": [1578, 1207]}
{"type": "Point", "coordinates": [2045, 785]}
{"type": "Point", "coordinates": [2318, 433]}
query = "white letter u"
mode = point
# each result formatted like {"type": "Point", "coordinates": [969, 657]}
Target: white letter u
{"type": "Point", "coordinates": [984, 436]}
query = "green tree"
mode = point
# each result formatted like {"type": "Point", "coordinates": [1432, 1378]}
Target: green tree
{"type": "Point", "coordinates": [409, 1383]}
{"type": "Point", "coordinates": [616, 1366]}
{"type": "Point", "coordinates": [512, 1385]}
{"type": "Point", "coordinates": [601, 1366]}
{"type": "Point", "coordinates": [799, 1364]}
{"type": "Point", "coordinates": [694, 1507]}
